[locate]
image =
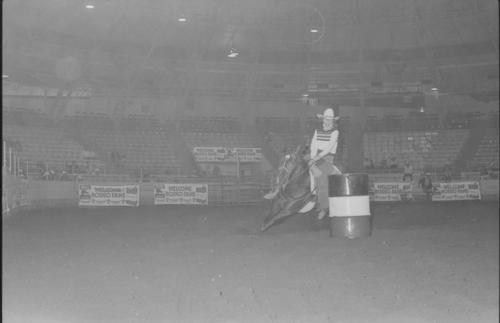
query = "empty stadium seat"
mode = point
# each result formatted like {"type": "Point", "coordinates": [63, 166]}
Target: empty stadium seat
{"type": "Point", "coordinates": [487, 152]}
{"type": "Point", "coordinates": [436, 147]}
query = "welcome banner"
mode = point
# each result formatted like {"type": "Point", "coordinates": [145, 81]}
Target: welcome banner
{"type": "Point", "coordinates": [456, 191]}
{"type": "Point", "coordinates": [391, 191]}
{"type": "Point", "coordinates": [222, 154]}
{"type": "Point", "coordinates": [108, 195]}
{"type": "Point", "coordinates": [181, 193]}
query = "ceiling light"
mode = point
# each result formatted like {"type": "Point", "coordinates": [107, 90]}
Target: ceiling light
{"type": "Point", "coordinates": [4, 76]}
{"type": "Point", "coordinates": [305, 95]}
{"type": "Point", "coordinates": [232, 53]}
{"type": "Point", "coordinates": [434, 89]}
{"type": "Point", "coordinates": [314, 30]}
{"type": "Point", "coordinates": [422, 110]}
{"type": "Point", "coordinates": [182, 19]}
{"type": "Point", "coordinates": [89, 6]}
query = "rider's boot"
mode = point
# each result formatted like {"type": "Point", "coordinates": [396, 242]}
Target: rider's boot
{"type": "Point", "coordinates": [322, 214]}
{"type": "Point", "coordinates": [271, 195]}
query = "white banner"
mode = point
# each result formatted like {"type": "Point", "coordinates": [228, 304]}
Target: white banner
{"type": "Point", "coordinates": [108, 195]}
{"type": "Point", "coordinates": [222, 154]}
{"type": "Point", "coordinates": [456, 191]}
{"type": "Point", "coordinates": [248, 154]}
{"type": "Point", "coordinates": [181, 193]}
{"type": "Point", "coordinates": [391, 191]}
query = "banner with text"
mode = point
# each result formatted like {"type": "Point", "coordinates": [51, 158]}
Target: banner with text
{"type": "Point", "coordinates": [391, 192]}
{"type": "Point", "coordinates": [456, 191]}
{"type": "Point", "coordinates": [181, 193]}
{"type": "Point", "coordinates": [222, 154]}
{"type": "Point", "coordinates": [107, 195]}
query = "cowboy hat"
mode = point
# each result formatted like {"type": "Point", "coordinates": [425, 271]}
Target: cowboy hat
{"type": "Point", "coordinates": [328, 114]}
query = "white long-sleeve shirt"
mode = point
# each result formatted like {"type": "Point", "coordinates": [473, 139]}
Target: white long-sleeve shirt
{"type": "Point", "coordinates": [324, 143]}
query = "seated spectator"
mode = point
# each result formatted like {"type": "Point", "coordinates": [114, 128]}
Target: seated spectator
{"type": "Point", "coordinates": [52, 175]}
{"type": "Point", "coordinates": [493, 173]}
{"type": "Point", "coordinates": [366, 163]}
{"type": "Point", "coordinates": [484, 172]}
{"type": "Point", "coordinates": [425, 183]}
{"type": "Point", "coordinates": [383, 163]}
{"type": "Point", "coordinates": [64, 176]}
{"type": "Point", "coordinates": [447, 172]}
{"type": "Point", "coordinates": [393, 163]}
{"type": "Point", "coordinates": [216, 171]}
{"type": "Point", "coordinates": [408, 172]}
{"type": "Point", "coordinates": [41, 165]}
{"type": "Point", "coordinates": [73, 167]}
{"type": "Point", "coordinates": [67, 167]}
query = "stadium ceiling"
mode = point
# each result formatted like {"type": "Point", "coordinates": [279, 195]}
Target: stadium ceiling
{"type": "Point", "coordinates": [36, 34]}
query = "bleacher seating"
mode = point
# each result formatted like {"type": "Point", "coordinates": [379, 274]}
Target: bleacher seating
{"type": "Point", "coordinates": [11, 116]}
{"type": "Point", "coordinates": [277, 124]}
{"type": "Point", "coordinates": [150, 150]}
{"type": "Point", "coordinates": [44, 144]}
{"type": "Point", "coordinates": [281, 141]}
{"type": "Point", "coordinates": [137, 122]}
{"type": "Point", "coordinates": [144, 142]}
{"type": "Point", "coordinates": [215, 139]}
{"type": "Point", "coordinates": [214, 132]}
{"type": "Point", "coordinates": [415, 121]}
{"type": "Point", "coordinates": [87, 121]}
{"type": "Point", "coordinates": [433, 148]}
{"type": "Point", "coordinates": [28, 117]}
{"type": "Point", "coordinates": [209, 125]}
{"type": "Point", "coordinates": [493, 120]}
{"type": "Point", "coordinates": [140, 141]}
{"type": "Point", "coordinates": [462, 120]}
{"type": "Point", "coordinates": [487, 152]}
{"type": "Point", "coordinates": [280, 133]}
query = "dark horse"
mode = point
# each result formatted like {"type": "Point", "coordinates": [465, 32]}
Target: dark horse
{"type": "Point", "coordinates": [295, 194]}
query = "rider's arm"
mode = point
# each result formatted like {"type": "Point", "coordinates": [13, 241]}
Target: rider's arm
{"type": "Point", "coordinates": [313, 149]}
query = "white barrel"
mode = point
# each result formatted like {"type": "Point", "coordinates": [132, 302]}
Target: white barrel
{"type": "Point", "coordinates": [349, 204]}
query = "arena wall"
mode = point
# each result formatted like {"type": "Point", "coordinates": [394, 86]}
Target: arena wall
{"type": "Point", "coordinates": [52, 194]}
{"type": "Point", "coordinates": [14, 194]}
{"type": "Point", "coordinates": [18, 194]}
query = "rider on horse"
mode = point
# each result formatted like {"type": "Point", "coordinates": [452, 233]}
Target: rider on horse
{"type": "Point", "coordinates": [323, 148]}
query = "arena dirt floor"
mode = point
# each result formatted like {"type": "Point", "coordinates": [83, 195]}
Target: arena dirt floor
{"type": "Point", "coordinates": [425, 262]}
